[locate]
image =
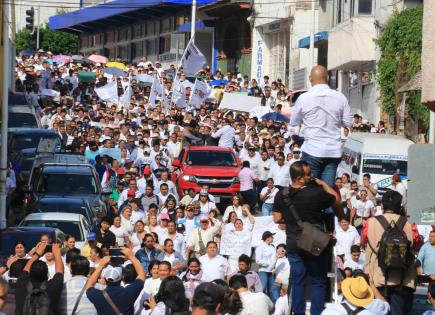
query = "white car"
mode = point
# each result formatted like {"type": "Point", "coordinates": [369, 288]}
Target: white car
{"type": "Point", "coordinates": [69, 223]}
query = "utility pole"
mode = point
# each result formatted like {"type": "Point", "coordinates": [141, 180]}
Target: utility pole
{"type": "Point", "coordinates": [193, 21]}
{"type": "Point", "coordinates": [312, 34]}
{"type": "Point", "coordinates": [38, 26]}
{"type": "Point", "coordinates": [4, 111]}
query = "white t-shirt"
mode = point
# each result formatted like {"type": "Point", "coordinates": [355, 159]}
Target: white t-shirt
{"type": "Point", "coordinates": [255, 303]}
{"type": "Point", "coordinates": [120, 233]}
{"type": "Point", "coordinates": [345, 239]}
{"type": "Point", "coordinates": [214, 268]}
{"type": "Point", "coordinates": [270, 199]}
{"type": "Point", "coordinates": [363, 208]}
{"type": "Point", "coordinates": [354, 265]}
{"type": "Point", "coordinates": [206, 207]}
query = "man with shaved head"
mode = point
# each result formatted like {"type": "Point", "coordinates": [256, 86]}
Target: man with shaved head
{"type": "Point", "coordinates": [322, 112]}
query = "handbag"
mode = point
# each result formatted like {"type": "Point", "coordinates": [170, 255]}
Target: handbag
{"type": "Point", "coordinates": [358, 222]}
{"type": "Point", "coordinates": [310, 238]}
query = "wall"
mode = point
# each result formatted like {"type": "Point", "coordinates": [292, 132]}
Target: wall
{"type": "Point", "coordinates": [352, 42]}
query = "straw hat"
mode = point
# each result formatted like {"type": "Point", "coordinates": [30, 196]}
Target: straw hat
{"type": "Point", "coordinates": [357, 291]}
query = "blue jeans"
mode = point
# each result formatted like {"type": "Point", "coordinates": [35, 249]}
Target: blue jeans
{"type": "Point", "coordinates": [316, 267]}
{"type": "Point", "coordinates": [268, 283]}
{"type": "Point", "coordinates": [400, 299]}
{"type": "Point", "coordinates": [266, 209]}
{"type": "Point", "coordinates": [323, 168]}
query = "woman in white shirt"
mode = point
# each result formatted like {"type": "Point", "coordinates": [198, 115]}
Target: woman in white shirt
{"type": "Point", "coordinates": [235, 207]}
{"type": "Point", "coordinates": [362, 210]}
{"type": "Point", "coordinates": [150, 288]}
{"type": "Point", "coordinates": [265, 256]}
{"type": "Point", "coordinates": [282, 270]}
{"type": "Point", "coordinates": [267, 196]}
{"type": "Point", "coordinates": [126, 220]}
{"type": "Point", "coordinates": [138, 236]}
{"type": "Point", "coordinates": [152, 223]}
{"type": "Point", "coordinates": [121, 234]}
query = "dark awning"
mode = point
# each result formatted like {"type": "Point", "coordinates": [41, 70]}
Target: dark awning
{"type": "Point", "coordinates": [116, 13]}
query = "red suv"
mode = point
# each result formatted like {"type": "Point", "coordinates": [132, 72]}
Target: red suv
{"type": "Point", "coordinates": [216, 166]}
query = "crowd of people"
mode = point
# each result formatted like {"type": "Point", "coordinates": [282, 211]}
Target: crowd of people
{"type": "Point", "coordinates": [161, 253]}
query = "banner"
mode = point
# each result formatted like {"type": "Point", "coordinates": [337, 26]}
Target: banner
{"type": "Point", "coordinates": [193, 59]}
{"type": "Point", "coordinates": [55, 95]}
{"type": "Point", "coordinates": [144, 78]}
{"type": "Point", "coordinates": [199, 93]}
{"type": "Point", "coordinates": [126, 97]}
{"type": "Point", "coordinates": [156, 92]}
{"type": "Point", "coordinates": [262, 224]}
{"type": "Point", "coordinates": [114, 153]}
{"type": "Point", "coordinates": [235, 243]}
{"type": "Point", "coordinates": [238, 102]}
{"type": "Point", "coordinates": [108, 92]}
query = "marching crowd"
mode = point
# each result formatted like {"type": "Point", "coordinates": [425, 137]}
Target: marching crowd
{"type": "Point", "coordinates": [161, 253]}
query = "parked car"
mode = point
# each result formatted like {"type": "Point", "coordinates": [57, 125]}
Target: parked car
{"type": "Point", "coordinates": [22, 116]}
{"type": "Point", "coordinates": [30, 138]}
{"type": "Point", "coordinates": [25, 163]}
{"type": "Point", "coordinates": [69, 223]}
{"type": "Point", "coordinates": [65, 204]}
{"type": "Point", "coordinates": [61, 180]}
{"type": "Point", "coordinates": [29, 235]}
{"type": "Point", "coordinates": [216, 166]}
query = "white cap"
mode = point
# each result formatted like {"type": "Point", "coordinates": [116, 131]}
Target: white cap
{"type": "Point", "coordinates": [112, 274]}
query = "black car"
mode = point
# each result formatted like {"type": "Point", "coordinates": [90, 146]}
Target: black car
{"type": "Point", "coordinates": [29, 138]}
{"type": "Point", "coordinates": [78, 181]}
{"type": "Point", "coordinates": [25, 163]}
{"type": "Point", "coordinates": [65, 204]}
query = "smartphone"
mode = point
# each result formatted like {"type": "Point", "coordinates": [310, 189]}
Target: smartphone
{"type": "Point", "coordinates": [48, 249]}
{"type": "Point", "coordinates": [115, 252]}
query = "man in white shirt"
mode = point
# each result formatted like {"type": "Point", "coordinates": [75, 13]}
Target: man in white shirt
{"type": "Point", "coordinates": [214, 266]}
{"type": "Point", "coordinates": [280, 172]}
{"type": "Point", "coordinates": [322, 111]}
{"type": "Point", "coordinates": [346, 235]}
{"type": "Point", "coordinates": [225, 134]}
{"type": "Point", "coordinates": [355, 260]}
{"type": "Point", "coordinates": [199, 237]}
{"type": "Point", "coordinates": [253, 302]}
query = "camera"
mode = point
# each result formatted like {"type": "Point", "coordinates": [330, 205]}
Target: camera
{"type": "Point", "coordinates": [116, 258]}
{"type": "Point", "coordinates": [48, 249]}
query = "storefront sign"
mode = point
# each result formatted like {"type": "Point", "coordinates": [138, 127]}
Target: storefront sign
{"type": "Point", "coordinates": [259, 60]}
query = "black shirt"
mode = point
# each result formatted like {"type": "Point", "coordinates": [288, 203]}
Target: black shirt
{"type": "Point", "coordinates": [108, 239]}
{"type": "Point", "coordinates": [54, 290]}
{"type": "Point", "coordinates": [309, 203]}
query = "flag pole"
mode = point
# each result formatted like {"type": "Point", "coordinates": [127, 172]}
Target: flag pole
{"type": "Point", "coordinates": [193, 21]}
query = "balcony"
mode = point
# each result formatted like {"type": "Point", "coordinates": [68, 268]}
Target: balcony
{"type": "Point", "coordinates": [352, 43]}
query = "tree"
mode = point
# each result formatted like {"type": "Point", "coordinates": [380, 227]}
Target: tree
{"type": "Point", "coordinates": [22, 40]}
{"type": "Point", "coordinates": [400, 46]}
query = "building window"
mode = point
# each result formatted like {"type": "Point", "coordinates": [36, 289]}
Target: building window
{"type": "Point", "coordinates": [166, 25]}
{"type": "Point", "coordinates": [110, 37]}
{"type": "Point", "coordinates": [137, 31]}
{"type": "Point", "coordinates": [150, 47]}
{"type": "Point", "coordinates": [165, 44]}
{"type": "Point", "coordinates": [150, 28]}
{"type": "Point", "coordinates": [123, 34]}
{"type": "Point", "coordinates": [365, 7]}
{"type": "Point", "coordinates": [84, 41]}
{"type": "Point", "coordinates": [123, 52]}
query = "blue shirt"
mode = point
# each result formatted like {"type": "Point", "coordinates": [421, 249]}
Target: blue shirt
{"type": "Point", "coordinates": [426, 256]}
{"type": "Point", "coordinates": [145, 259]}
{"type": "Point", "coordinates": [122, 297]}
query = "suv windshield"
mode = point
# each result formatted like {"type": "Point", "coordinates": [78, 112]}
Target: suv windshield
{"type": "Point", "coordinates": [66, 184]}
{"type": "Point", "coordinates": [27, 141]}
{"type": "Point", "coordinates": [22, 120]}
{"type": "Point", "coordinates": [26, 162]}
{"type": "Point", "coordinates": [210, 158]}
{"type": "Point", "coordinates": [67, 227]}
{"type": "Point", "coordinates": [385, 167]}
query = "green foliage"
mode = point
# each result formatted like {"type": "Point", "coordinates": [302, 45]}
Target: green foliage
{"type": "Point", "coordinates": [22, 40]}
{"type": "Point", "coordinates": [400, 46]}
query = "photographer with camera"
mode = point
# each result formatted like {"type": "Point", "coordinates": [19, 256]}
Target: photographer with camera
{"type": "Point", "coordinates": [34, 293]}
{"type": "Point", "coordinates": [115, 299]}
{"type": "Point", "coordinates": [301, 207]}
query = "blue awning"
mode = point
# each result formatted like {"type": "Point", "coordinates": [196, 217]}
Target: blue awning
{"type": "Point", "coordinates": [199, 25]}
{"type": "Point", "coordinates": [116, 13]}
{"type": "Point", "coordinates": [319, 37]}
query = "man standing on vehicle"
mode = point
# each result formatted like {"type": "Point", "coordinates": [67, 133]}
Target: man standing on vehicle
{"type": "Point", "coordinates": [309, 197]}
{"type": "Point", "coordinates": [226, 134]}
{"type": "Point", "coordinates": [323, 112]}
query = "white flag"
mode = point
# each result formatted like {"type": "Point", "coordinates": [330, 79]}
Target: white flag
{"type": "Point", "coordinates": [199, 93]}
{"type": "Point", "coordinates": [178, 95]}
{"type": "Point", "coordinates": [108, 92]}
{"type": "Point", "coordinates": [55, 95]}
{"type": "Point", "coordinates": [144, 78]}
{"type": "Point", "coordinates": [193, 60]}
{"type": "Point", "coordinates": [126, 97]}
{"type": "Point", "coordinates": [156, 92]}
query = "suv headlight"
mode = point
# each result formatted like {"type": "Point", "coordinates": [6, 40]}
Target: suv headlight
{"type": "Point", "coordinates": [189, 178]}
{"type": "Point", "coordinates": [236, 180]}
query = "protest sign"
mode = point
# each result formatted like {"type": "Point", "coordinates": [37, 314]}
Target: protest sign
{"type": "Point", "coordinates": [236, 243]}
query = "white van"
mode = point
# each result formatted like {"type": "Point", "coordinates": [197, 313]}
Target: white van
{"type": "Point", "coordinates": [379, 155]}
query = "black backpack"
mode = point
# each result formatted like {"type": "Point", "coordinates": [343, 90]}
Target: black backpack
{"type": "Point", "coordinates": [37, 301]}
{"type": "Point", "coordinates": [395, 252]}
